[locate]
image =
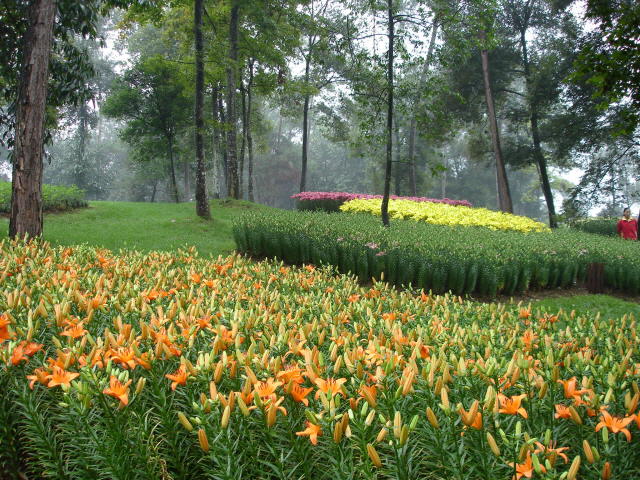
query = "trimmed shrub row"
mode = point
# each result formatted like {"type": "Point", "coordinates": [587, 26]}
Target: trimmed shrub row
{"type": "Point", "coordinates": [599, 226]}
{"type": "Point", "coordinates": [463, 260]}
{"type": "Point", "coordinates": [55, 198]}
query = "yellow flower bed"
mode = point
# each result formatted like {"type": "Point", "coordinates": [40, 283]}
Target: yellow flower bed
{"type": "Point", "coordinates": [443, 214]}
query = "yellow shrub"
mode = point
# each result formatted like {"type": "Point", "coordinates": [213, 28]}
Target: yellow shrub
{"type": "Point", "coordinates": [443, 214]}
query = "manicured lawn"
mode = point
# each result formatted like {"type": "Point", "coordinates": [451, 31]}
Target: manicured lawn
{"type": "Point", "coordinates": [144, 226]}
{"type": "Point", "coordinates": [589, 305]}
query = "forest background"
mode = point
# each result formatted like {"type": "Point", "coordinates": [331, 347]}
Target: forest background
{"type": "Point", "coordinates": [296, 93]}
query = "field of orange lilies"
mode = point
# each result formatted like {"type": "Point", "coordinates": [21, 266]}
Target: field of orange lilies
{"type": "Point", "coordinates": [171, 366]}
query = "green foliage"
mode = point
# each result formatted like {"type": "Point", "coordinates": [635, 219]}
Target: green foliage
{"type": "Point", "coordinates": [599, 226]}
{"type": "Point", "coordinates": [55, 198]}
{"type": "Point", "coordinates": [464, 260]}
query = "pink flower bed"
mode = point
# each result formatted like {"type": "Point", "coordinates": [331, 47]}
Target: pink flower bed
{"type": "Point", "coordinates": [345, 197]}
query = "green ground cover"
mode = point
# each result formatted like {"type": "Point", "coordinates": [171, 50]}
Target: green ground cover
{"type": "Point", "coordinates": [587, 305]}
{"type": "Point", "coordinates": [145, 226]}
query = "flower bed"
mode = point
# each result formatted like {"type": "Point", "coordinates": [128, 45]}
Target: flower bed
{"type": "Point", "coordinates": [159, 365]}
{"type": "Point", "coordinates": [440, 258]}
{"type": "Point", "coordinates": [331, 201]}
{"type": "Point", "coordinates": [443, 214]}
{"type": "Point", "coordinates": [54, 198]}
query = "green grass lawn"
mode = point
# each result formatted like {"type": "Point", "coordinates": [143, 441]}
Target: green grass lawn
{"type": "Point", "coordinates": [588, 305]}
{"type": "Point", "coordinates": [144, 226]}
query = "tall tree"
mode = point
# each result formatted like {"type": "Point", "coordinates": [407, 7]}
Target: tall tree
{"type": "Point", "coordinates": [152, 97]}
{"type": "Point", "coordinates": [391, 37]}
{"type": "Point", "coordinates": [202, 203]}
{"type": "Point", "coordinates": [26, 192]}
{"type": "Point", "coordinates": [522, 15]}
{"type": "Point", "coordinates": [233, 186]}
{"type": "Point", "coordinates": [504, 194]}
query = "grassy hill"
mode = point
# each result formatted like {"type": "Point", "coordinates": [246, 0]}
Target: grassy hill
{"type": "Point", "coordinates": [144, 226]}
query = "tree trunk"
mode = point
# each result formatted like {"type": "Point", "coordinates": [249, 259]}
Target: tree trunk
{"type": "Point", "coordinates": [399, 165]}
{"type": "Point", "coordinates": [26, 188]}
{"type": "Point", "coordinates": [223, 147]}
{"type": "Point", "coordinates": [202, 202]}
{"type": "Point", "coordinates": [305, 125]}
{"type": "Point", "coordinates": [390, 57]}
{"type": "Point", "coordinates": [414, 120]}
{"type": "Point", "coordinates": [215, 146]}
{"type": "Point", "coordinates": [153, 192]}
{"type": "Point", "coordinates": [504, 195]}
{"type": "Point", "coordinates": [172, 171]}
{"type": "Point", "coordinates": [232, 133]}
{"type": "Point", "coordinates": [243, 143]}
{"type": "Point", "coordinates": [249, 134]}
{"type": "Point", "coordinates": [81, 167]}
{"type": "Point", "coordinates": [187, 187]}
{"type": "Point", "coordinates": [540, 159]}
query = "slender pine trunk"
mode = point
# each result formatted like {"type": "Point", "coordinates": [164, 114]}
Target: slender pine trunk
{"type": "Point", "coordinates": [390, 57]}
{"type": "Point", "coordinates": [504, 194]}
{"type": "Point", "coordinates": [243, 142]}
{"type": "Point", "coordinates": [202, 202]}
{"type": "Point", "coordinates": [305, 125]}
{"type": "Point", "coordinates": [399, 164]}
{"type": "Point", "coordinates": [539, 157]}
{"type": "Point", "coordinates": [172, 171]}
{"type": "Point", "coordinates": [26, 187]}
{"type": "Point", "coordinates": [232, 118]}
{"type": "Point", "coordinates": [249, 134]}
{"type": "Point", "coordinates": [223, 146]}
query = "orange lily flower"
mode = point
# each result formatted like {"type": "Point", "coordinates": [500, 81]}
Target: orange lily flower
{"type": "Point", "coordinates": [570, 390]}
{"type": "Point", "coordinates": [179, 377]}
{"type": "Point", "coordinates": [61, 377]}
{"type": "Point", "coordinates": [551, 452]}
{"type": "Point", "coordinates": [4, 327]}
{"type": "Point", "coordinates": [615, 424]}
{"type": "Point", "coordinates": [330, 385]}
{"type": "Point", "coordinates": [299, 394]}
{"type": "Point", "coordinates": [291, 373]}
{"type": "Point", "coordinates": [562, 411]}
{"type": "Point", "coordinates": [118, 390]}
{"type": "Point", "coordinates": [18, 355]}
{"type": "Point", "coordinates": [312, 431]}
{"type": "Point", "coordinates": [126, 357]}
{"type": "Point", "coordinates": [266, 389]}
{"type": "Point", "coordinates": [511, 406]}
{"type": "Point", "coordinates": [40, 375]}
{"type": "Point", "coordinates": [369, 393]}
{"type": "Point", "coordinates": [74, 331]}
{"type": "Point", "coordinates": [31, 348]}
{"type": "Point", "coordinates": [525, 469]}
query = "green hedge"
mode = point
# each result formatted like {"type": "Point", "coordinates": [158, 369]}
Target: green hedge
{"type": "Point", "coordinates": [599, 226]}
{"type": "Point", "coordinates": [55, 198]}
{"type": "Point", "coordinates": [432, 257]}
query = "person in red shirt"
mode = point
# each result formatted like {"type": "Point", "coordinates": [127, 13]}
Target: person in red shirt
{"type": "Point", "coordinates": [627, 226]}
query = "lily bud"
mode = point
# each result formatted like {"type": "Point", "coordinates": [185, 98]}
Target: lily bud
{"type": "Point", "coordinates": [224, 421]}
{"type": "Point", "coordinates": [493, 445]}
{"type": "Point", "coordinates": [373, 455]}
{"type": "Point", "coordinates": [573, 470]}
{"type": "Point", "coordinates": [185, 422]}
{"type": "Point", "coordinates": [433, 420]}
{"type": "Point", "coordinates": [203, 440]}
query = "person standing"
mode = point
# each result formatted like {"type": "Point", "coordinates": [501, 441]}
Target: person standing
{"type": "Point", "coordinates": [627, 226]}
